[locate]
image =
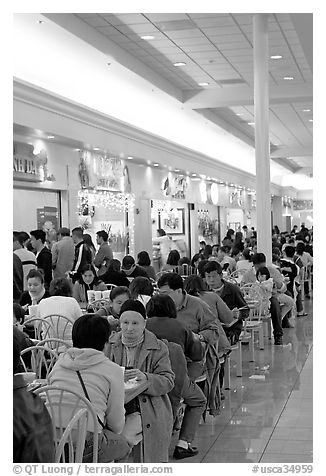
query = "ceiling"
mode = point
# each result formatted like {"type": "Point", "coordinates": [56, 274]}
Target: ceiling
{"type": "Point", "coordinates": [217, 48]}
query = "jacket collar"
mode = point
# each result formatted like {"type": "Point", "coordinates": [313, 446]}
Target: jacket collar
{"type": "Point", "coordinates": [149, 343]}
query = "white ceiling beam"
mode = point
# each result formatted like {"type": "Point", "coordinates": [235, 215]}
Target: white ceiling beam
{"type": "Point", "coordinates": [292, 152]}
{"type": "Point", "coordinates": [82, 30]}
{"type": "Point", "coordinates": [303, 25]}
{"type": "Point", "coordinates": [244, 95]}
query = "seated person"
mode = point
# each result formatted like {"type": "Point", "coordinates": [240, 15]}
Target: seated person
{"type": "Point", "coordinates": [231, 295]}
{"type": "Point", "coordinates": [88, 281]}
{"type": "Point", "coordinates": [103, 380]}
{"type": "Point", "coordinates": [266, 283]}
{"type": "Point", "coordinates": [23, 339]}
{"type": "Point", "coordinates": [59, 303]}
{"type": "Point", "coordinates": [144, 261]}
{"type": "Point", "coordinates": [32, 427]}
{"type": "Point", "coordinates": [172, 261]}
{"type": "Point", "coordinates": [148, 360]}
{"type": "Point", "coordinates": [113, 275]}
{"type": "Point", "coordinates": [162, 322]}
{"type": "Point", "coordinates": [118, 296]}
{"type": "Point", "coordinates": [131, 269]}
{"type": "Point", "coordinates": [142, 289]}
{"type": "Point", "coordinates": [35, 290]}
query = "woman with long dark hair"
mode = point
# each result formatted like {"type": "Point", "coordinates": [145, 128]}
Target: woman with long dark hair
{"type": "Point", "coordinates": [88, 281]}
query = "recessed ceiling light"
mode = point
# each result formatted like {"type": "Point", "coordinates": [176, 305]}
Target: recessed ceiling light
{"type": "Point", "coordinates": [194, 175]}
{"type": "Point", "coordinates": [177, 170]}
{"type": "Point", "coordinates": [179, 63]}
{"type": "Point", "coordinates": [250, 123]}
{"type": "Point", "coordinates": [96, 148]}
{"type": "Point", "coordinates": [239, 114]}
{"type": "Point", "coordinates": [50, 137]}
{"type": "Point", "coordinates": [306, 110]}
{"type": "Point", "coordinates": [156, 165]}
{"type": "Point", "coordinates": [288, 78]}
{"type": "Point", "coordinates": [147, 37]}
{"type": "Point", "coordinates": [196, 179]}
{"type": "Point", "coordinates": [203, 84]}
{"type": "Point", "coordinates": [77, 150]}
{"type": "Point", "coordinates": [276, 57]}
{"type": "Point", "coordinates": [129, 157]}
{"type": "Point", "coordinates": [311, 120]}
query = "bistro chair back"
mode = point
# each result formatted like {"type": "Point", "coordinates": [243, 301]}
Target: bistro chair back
{"type": "Point", "coordinates": [110, 286]}
{"type": "Point", "coordinates": [57, 345]}
{"type": "Point", "coordinates": [73, 417]}
{"type": "Point", "coordinates": [42, 360]}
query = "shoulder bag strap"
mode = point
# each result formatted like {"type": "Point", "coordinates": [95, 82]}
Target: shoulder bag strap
{"type": "Point", "coordinates": [87, 396]}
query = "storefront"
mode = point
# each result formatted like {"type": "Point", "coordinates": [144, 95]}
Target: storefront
{"type": "Point", "coordinates": [105, 201]}
{"type": "Point", "coordinates": [36, 199]}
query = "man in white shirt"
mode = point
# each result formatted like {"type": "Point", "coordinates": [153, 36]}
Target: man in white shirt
{"type": "Point", "coordinates": [27, 258]}
{"type": "Point", "coordinates": [224, 258]}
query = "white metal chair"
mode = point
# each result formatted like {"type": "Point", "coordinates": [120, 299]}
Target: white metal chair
{"type": "Point", "coordinates": [57, 345]}
{"type": "Point", "coordinates": [55, 326]}
{"type": "Point", "coordinates": [42, 360]}
{"type": "Point", "coordinates": [110, 286]}
{"type": "Point", "coordinates": [253, 295]}
{"type": "Point", "coordinates": [72, 416]}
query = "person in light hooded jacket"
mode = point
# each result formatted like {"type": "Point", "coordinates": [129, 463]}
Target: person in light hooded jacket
{"type": "Point", "coordinates": [104, 382]}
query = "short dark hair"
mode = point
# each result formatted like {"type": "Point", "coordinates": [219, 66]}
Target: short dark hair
{"type": "Point", "coordinates": [201, 266]}
{"type": "Point", "coordinates": [118, 291]}
{"type": "Point", "coordinates": [39, 235]}
{"type": "Point", "coordinates": [88, 267]}
{"type": "Point", "coordinates": [141, 285]}
{"type": "Point", "coordinates": [161, 232]}
{"type": "Point", "coordinates": [114, 265]}
{"type": "Point", "coordinates": [194, 285]}
{"type": "Point", "coordinates": [60, 287]}
{"type": "Point", "coordinates": [78, 231]}
{"type": "Point", "coordinates": [143, 258]}
{"type": "Point", "coordinates": [289, 251]}
{"type": "Point", "coordinates": [133, 305]}
{"type": "Point", "coordinates": [24, 236]}
{"type": "Point", "coordinates": [258, 258]}
{"type": "Point", "coordinates": [246, 254]}
{"type": "Point", "coordinates": [300, 248]}
{"type": "Point", "coordinates": [103, 234]}
{"type": "Point", "coordinates": [161, 305]}
{"type": "Point", "coordinates": [173, 258]}
{"type": "Point", "coordinates": [263, 270]}
{"type": "Point", "coordinates": [173, 280]}
{"type": "Point", "coordinates": [36, 273]}
{"type": "Point", "coordinates": [127, 262]}
{"type": "Point", "coordinates": [195, 258]}
{"type": "Point", "coordinates": [90, 331]}
{"type": "Point", "coordinates": [212, 266]}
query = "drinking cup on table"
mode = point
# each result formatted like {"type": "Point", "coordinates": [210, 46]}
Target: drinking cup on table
{"type": "Point", "coordinates": [29, 377]}
{"type": "Point", "coordinates": [98, 295]}
{"type": "Point", "coordinates": [90, 296]}
{"type": "Point", "coordinates": [106, 294]}
{"type": "Point", "coordinates": [32, 310]}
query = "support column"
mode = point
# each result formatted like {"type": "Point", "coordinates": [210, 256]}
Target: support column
{"type": "Point", "coordinates": [261, 102]}
{"type": "Point", "coordinates": [277, 211]}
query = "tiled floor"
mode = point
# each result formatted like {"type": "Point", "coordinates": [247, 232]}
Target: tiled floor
{"type": "Point", "coordinates": [270, 420]}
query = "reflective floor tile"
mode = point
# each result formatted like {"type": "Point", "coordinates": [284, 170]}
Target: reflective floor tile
{"type": "Point", "coordinates": [231, 457]}
{"type": "Point", "coordinates": [285, 458]}
{"type": "Point", "coordinates": [289, 446]}
{"type": "Point", "coordinates": [282, 433]}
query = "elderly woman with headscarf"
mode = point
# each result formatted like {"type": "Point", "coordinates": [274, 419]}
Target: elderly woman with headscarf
{"type": "Point", "coordinates": [146, 359]}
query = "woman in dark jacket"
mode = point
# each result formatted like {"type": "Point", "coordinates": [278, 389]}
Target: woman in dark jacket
{"type": "Point", "coordinates": [113, 275]}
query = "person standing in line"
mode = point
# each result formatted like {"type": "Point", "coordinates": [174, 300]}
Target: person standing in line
{"type": "Point", "coordinates": [43, 255]}
{"type": "Point", "coordinates": [17, 278]}
{"type": "Point", "coordinates": [63, 253]}
{"type": "Point", "coordinates": [89, 242]}
{"type": "Point", "coordinates": [104, 256]}
{"type": "Point", "coordinates": [83, 255]}
{"type": "Point", "coordinates": [27, 257]}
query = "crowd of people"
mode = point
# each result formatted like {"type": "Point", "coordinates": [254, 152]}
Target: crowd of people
{"type": "Point", "coordinates": [166, 330]}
